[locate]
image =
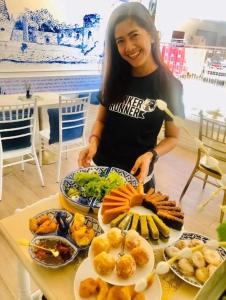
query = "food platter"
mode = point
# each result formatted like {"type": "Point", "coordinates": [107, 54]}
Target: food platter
{"type": "Point", "coordinates": [188, 236]}
{"type": "Point", "coordinates": [159, 244]}
{"type": "Point", "coordinates": [87, 203]}
{"type": "Point", "coordinates": [85, 270]}
{"type": "Point", "coordinates": [141, 272]}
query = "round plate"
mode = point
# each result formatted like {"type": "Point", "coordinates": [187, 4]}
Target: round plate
{"type": "Point", "coordinates": [140, 272]}
{"type": "Point", "coordinates": [51, 264]}
{"type": "Point", "coordinates": [51, 213]}
{"type": "Point", "coordinates": [90, 203]}
{"type": "Point", "coordinates": [159, 244]}
{"type": "Point", "coordinates": [90, 222]}
{"type": "Point", "coordinates": [190, 236]}
{"type": "Point", "coordinates": [85, 270]}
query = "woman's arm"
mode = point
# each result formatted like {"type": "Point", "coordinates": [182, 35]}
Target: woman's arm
{"type": "Point", "coordinates": [170, 140]}
{"type": "Point", "coordinates": [87, 154]}
{"type": "Point", "coordinates": [167, 144]}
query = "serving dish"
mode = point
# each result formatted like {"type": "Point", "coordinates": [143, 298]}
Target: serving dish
{"type": "Point", "coordinates": [83, 202]}
{"type": "Point", "coordinates": [188, 236]}
{"type": "Point", "coordinates": [141, 272]}
{"type": "Point", "coordinates": [67, 251]}
{"type": "Point", "coordinates": [90, 222]}
{"type": "Point", "coordinates": [159, 244]}
{"type": "Point", "coordinates": [85, 270]}
{"type": "Point", "coordinates": [54, 215]}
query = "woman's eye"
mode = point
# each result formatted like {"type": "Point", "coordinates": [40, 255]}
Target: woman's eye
{"type": "Point", "coordinates": [119, 42]}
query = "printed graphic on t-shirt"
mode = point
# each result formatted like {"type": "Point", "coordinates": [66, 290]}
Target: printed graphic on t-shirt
{"type": "Point", "coordinates": [134, 107]}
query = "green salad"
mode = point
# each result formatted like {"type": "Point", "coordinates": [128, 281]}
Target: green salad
{"type": "Point", "coordinates": [91, 184]}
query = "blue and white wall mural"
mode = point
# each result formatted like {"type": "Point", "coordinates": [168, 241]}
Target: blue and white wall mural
{"type": "Point", "coordinates": [42, 35]}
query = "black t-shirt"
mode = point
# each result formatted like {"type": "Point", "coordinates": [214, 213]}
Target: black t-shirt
{"type": "Point", "coordinates": [131, 127]}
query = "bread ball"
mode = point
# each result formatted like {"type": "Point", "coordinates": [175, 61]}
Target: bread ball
{"type": "Point", "coordinates": [115, 237]}
{"type": "Point", "coordinates": [198, 259]}
{"type": "Point", "coordinates": [100, 243]}
{"type": "Point", "coordinates": [104, 263]}
{"type": "Point", "coordinates": [140, 256]}
{"type": "Point", "coordinates": [132, 239]}
{"type": "Point", "coordinates": [181, 244]}
{"type": "Point", "coordinates": [88, 287]}
{"type": "Point", "coordinates": [186, 267]}
{"type": "Point", "coordinates": [172, 251]}
{"type": "Point", "coordinates": [202, 274]}
{"type": "Point", "coordinates": [125, 266]}
{"type": "Point", "coordinates": [195, 242]}
{"type": "Point", "coordinates": [212, 257]}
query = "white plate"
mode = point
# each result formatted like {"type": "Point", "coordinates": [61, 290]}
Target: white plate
{"type": "Point", "coordinates": [190, 236]}
{"type": "Point", "coordinates": [85, 270]}
{"type": "Point", "coordinates": [159, 244]}
{"type": "Point", "coordinates": [140, 272]}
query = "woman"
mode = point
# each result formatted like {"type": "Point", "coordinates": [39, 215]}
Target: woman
{"type": "Point", "coordinates": [125, 132]}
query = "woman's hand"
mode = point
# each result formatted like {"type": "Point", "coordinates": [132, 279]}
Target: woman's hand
{"type": "Point", "coordinates": [142, 163]}
{"type": "Point", "coordinates": [86, 155]}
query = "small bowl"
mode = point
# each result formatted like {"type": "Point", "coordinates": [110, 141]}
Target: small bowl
{"type": "Point", "coordinates": [45, 258]}
{"type": "Point", "coordinates": [52, 213]}
{"type": "Point", "coordinates": [91, 223]}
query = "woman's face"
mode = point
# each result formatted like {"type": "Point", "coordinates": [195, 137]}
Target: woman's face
{"type": "Point", "coordinates": [134, 46]}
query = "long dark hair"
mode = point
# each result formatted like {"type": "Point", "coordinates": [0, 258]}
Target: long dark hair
{"type": "Point", "coordinates": [116, 70]}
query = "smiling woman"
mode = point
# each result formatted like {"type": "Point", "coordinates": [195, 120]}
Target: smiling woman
{"type": "Point", "coordinates": [128, 123]}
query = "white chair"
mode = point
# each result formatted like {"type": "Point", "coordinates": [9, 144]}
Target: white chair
{"type": "Point", "coordinates": [17, 137]}
{"type": "Point", "coordinates": [67, 127]}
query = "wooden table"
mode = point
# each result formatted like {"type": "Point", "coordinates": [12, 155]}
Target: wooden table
{"type": "Point", "coordinates": [58, 284]}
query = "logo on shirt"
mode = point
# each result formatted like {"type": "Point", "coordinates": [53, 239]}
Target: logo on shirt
{"type": "Point", "coordinates": [134, 107]}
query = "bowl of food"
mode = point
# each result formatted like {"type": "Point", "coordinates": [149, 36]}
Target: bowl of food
{"type": "Point", "coordinates": [51, 221]}
{"type": "Point", "coordinates": [85, 187]}
{"type": "Point", "coordinates": [52, 251]}
{"type": "Point", "coordinates": [83, 229]}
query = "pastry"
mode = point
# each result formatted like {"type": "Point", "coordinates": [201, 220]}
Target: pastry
{"type": "Point", "coordinates": [88, 287]}
{"type": "Point", "coordinates": [115, 222]}
{"type": "Point", "coordinates": [172, 251]}
{"type": "Point", "coordinates": [212, 257]}
{"type": "Point", "coordinates": [144, 227]}
{"type": "Point", "coordinates": [140, 256]}
{"type": "Point", "coordinates": [162, 227]}
{"type": "Point", "coordinates": [202, 274]}
{"type": "Point", "coordinates": [119, 293]}
{"type": "Point", "coordinates": [211, 269]}
{"type": "Point", "coordinates": [104, 263]}
{"type": "Point", "coordinates": [100, 243]}
{"type": "Point", "coordinates": [135, 222]}
{"type": "Point", "coordinates": [125, 223]}
{"type": "Point", "coordinates": [103, 289]}
{"type": "Point", "coordinates": [115, 237]}
{"type": "Point", "coordinates": [125, 266]}
{"type": "Point", "coordinates": [195, 242]}
{"type": "Point", "coordinates": [198, 259]}
{"type": "Point", "coordinates": [181, 244]}
{"type": "Point", "coordinates": [132, 239]}
{"type": "Point", "coordinates": [170, 220]}
{"type": "Point", "coordinates": [112, 213]}
{"type": "Point", "coordinates": [186, 267]}
{"type": "Point", "coordinates": [153, 229]}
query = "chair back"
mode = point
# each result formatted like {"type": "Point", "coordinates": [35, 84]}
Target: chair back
{"type": "Point", "coordinates": [17, 126]}
{"type": "Point", "coordinates": [73, 113]}
{"type": "Point", "coordinates": [213, 134]}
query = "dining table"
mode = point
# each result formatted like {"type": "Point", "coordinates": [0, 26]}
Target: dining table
{"type": "Point", "coordinates": [58, 284]}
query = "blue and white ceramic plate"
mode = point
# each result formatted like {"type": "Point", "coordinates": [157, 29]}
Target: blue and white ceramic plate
{"type": "Point", "coordinates": [53, 214]}
{"type": "Point", "coordinates": [191, 236]}
{"type": "Point", "coordinates": [90, 204]}
{"type": "Point", "coordinates": [67, 251]}
{"type": "Point", "coordinates": [91, 223]}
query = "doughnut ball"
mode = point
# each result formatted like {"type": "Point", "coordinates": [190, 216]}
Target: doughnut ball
{"type": "Point", "coordinates": [104, 263]}
{"type": "Point", "coordinates": [140, 256]}
{"type": "Point", "coordinates": [100, 243]}
{"type": "Point", "coordinates": [132, 239]}
{"type": "Point", "coordinates": [202, 274]}
{"type": "Point", "coordinates": [115, 237]}
{"type": "Point", "coordinates": [212, 257]}
{"type": "Point", "coordinates": [198, 259]}
{"type": "Point", "coordinates": [125, 266]}
{"type": "Point", "coordinates": [88, 287]}
{"type": "Point", "coordinates": [186, 267]}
